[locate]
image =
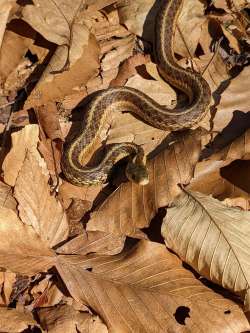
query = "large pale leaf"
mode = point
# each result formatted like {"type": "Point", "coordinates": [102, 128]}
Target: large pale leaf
{"type": "Point", "coordinates": [132, 207]}
{"type": "Point", "coordinates": [213, 239]}
{"type": "Point", "coordinates": [146, 289]}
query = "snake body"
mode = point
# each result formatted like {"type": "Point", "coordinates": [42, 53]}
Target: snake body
{"type": "Point", "coordinates": [134, 101]}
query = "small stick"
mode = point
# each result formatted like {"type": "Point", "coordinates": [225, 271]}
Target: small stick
{"type": "Point", "coordinates": [186, 46]}
{"type": "Point", "coordinates": [213, 56]}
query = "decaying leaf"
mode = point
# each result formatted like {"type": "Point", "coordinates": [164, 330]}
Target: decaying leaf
{"type": "Point", "coordinates": [212, 238]}
{"type": "Point", "coordinates": [145, 289]}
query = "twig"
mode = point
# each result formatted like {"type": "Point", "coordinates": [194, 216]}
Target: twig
{"type": "Point", "coordinates": [213, 56]}
{"type": "Point", "coordinates": [186, 46]}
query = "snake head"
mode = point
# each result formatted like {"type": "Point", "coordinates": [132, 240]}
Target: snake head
{"type": "Point", "coordinates": [136, 171]}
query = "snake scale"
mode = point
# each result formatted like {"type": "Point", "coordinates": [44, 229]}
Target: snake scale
{"type": "Point", "coordinates": [134, 101]}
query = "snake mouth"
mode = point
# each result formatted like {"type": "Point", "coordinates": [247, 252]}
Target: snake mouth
{"type": "Point", "coordinates": [143, 182]}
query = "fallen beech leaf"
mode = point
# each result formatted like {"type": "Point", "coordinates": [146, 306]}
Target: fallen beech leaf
{"type": "Point", "coordinates": [55, 86]}
{"type": "Point", "coordinates": [24, 140]}
{"type": "Point", "coordinates": [7, 285]}
{"type": "Point", "coordinates": [12, 320]}
{"type": "Point", "coordinates": [131, 207]}
{"type": "Point", "coordinates": [52, 18]}
{"type": "Point", "coordinates": [6, 197]}
{"type": "Point", "coordinates": [65, 318]}
{"type": "Point", "coordinates": [21, 250]}
{"type": "Point", "coordinates": [190, 24]}
{"type": "Point", "coordinates": [48, 119]}
{"type": "Point", "coordinates": [93, 241]}
{"type": "Point", "coordinates": [144, 289]}
{"type": "Point", "coordinates": [128, 69]}
{"type": "Point", "coordinates": [213, 239]}
{"type": "Point", "coordinates": [234, 98]}
{"type": "Point", "coordinates": [139, 17]}
{"type": "Point", "coordinates": [17, 46]}
{"type": "Point", "coordinates": [127, 128]}
{"type": "Point", "coordinates": [5, 9]}
{"type": "Point", "coordinates": [37, 206]}
{"type": "Point", "coordinates": [237, 149]}
{"type": "Point", "coordinates": [208, 179]}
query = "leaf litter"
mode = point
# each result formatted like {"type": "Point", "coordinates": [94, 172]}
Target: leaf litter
{"type": "Point", "coordinates": [93, 258]}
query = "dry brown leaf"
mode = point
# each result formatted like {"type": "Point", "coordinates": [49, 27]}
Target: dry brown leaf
{"type": "Point", "coordinates": [128, 69]}
{"type": "Point", "coordinates": [37, 206]}
{"type": "Point", "coordinates": [65, 319]}
{"type": "Point", "coordinates": [12, 320]}
{"type": "Point", "coordinates": [6, 197]}
{"type": "Point", "coordinates": [133, 14]}
{"type": "Point", "coordinates": [7, 280]}
{"type": "Point", "coordinates": [17, 46]}
{"type": "Point", "coordinates": [93, 241]}
{"type": "Point", "coordinates": [48, 120]}
{"type": "Point", "coordinates": [215, 73]}
{"type": "Point", "coordinates": [234, 98]}
{"type": "Point", "coordinates": [21, 250]}
{"type": "Point", "coordinates": [22, 141]}
{"type": "Point", "coordinates": [52, 18]}
{"type": "Point", "coordinates": [45, 294]}
{"type": "Point", "coordinates": [126, 128]}
{"type": "Point", "coordinates": [139, 18]}
{"type": "Point", "coordinates": [54, 87]}
{"type": "Point", "coordinates": [190, 24]}
{"type": "Point", "coordinates": [5, 9]}
{"type": "Point", "coordinates": [237, 149]}
{"type": "Point", "coordinates": [213, 239]}
{"type": "Point", "coordinates": [144, 289]}
{"type": "Point", "coordinates": [208, 179]}
{"type": "Point", "coordinates": [131, 207]}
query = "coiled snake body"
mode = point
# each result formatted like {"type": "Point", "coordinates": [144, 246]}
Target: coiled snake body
{"type": "Point", "coordinates": [132, 100]}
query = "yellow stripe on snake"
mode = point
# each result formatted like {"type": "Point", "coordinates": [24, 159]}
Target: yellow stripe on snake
{"type": "Point", "coordinates": [134, 101]}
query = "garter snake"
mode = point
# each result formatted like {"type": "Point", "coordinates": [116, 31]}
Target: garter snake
{"type": "Point", "coordinates": [134, 101]}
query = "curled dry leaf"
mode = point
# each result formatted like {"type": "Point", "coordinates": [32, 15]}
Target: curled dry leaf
{"type": "Point", "coordinates": [12, 320]}
{"type": "Point", "coordinates": [213, 239]}
{"type": "Point", "coordinates": [131, 207]}
{"type": "Point", "coordinates": [21, 249]}
{"type": "Point", "coordinates": [144, 289]}
{"type": "Point", "coordinates": [37, 206]}
{"type": "Point", "coordinates": [65, 318]}
{"type": "Point", "coordinates": [22, 141]}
